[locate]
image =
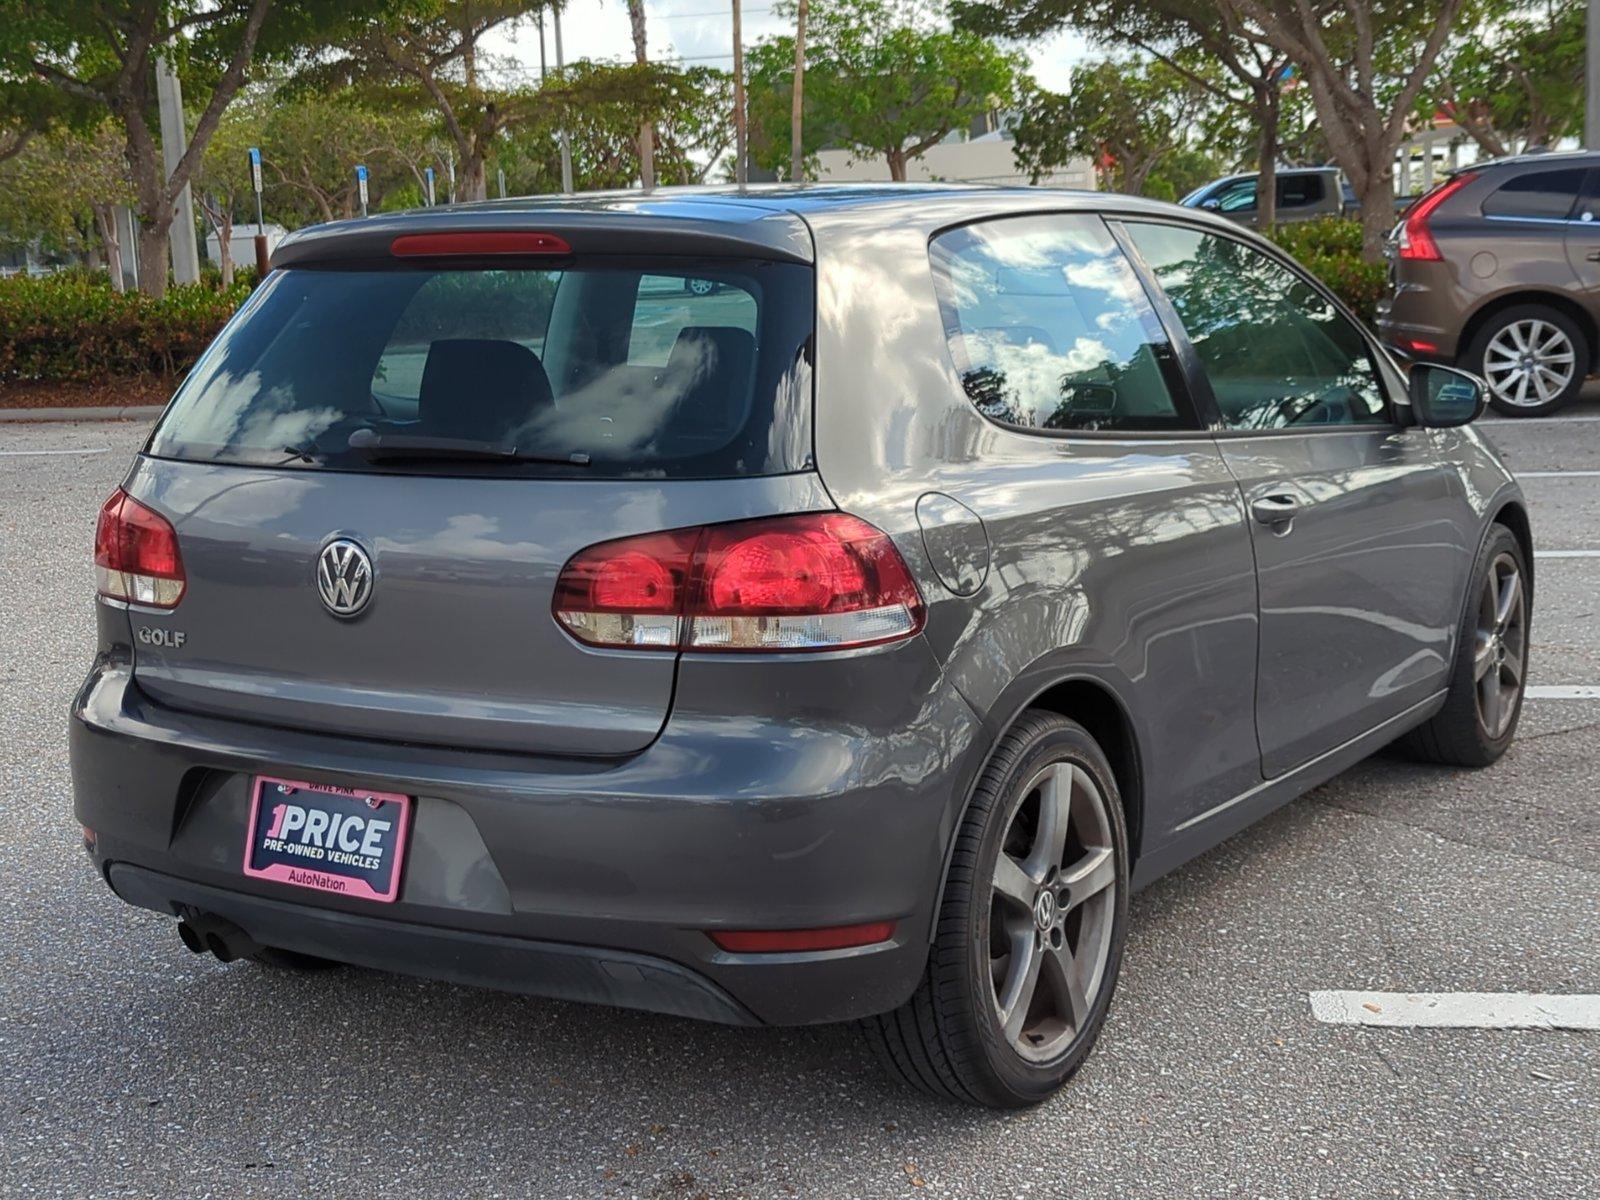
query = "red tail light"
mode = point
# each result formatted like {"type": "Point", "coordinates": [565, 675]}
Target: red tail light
{"type": "Point", "coordinates": [818, 581]}
{"type": "Point", "coordinates": [136, 554]}
{"type": "Point", "coordinates": [1416, 240]}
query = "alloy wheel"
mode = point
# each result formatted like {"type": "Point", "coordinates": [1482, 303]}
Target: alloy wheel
{"type": "Point", "coordinates": [1529, 362]}
{"type": "Point", "coordinates": [1052, 911]}
{"type": "Point", "coordinates": [1500, 653]}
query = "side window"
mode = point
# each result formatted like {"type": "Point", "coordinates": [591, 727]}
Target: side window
{"type": "Point", "coordinates": [1050, 328]}
{"type": "Point", "coordinates": [1239, 196]}
{"type": "Point", "coordinates": [504, 305]}
{"type": "Point", "coordinates": [1546, 194]}
{"type": "Point", "coordinates": [1300, 191]}
{"type": "Point", "coordinates": [1277, 353]}
{"type": "Point", "coordinates": [666, 305]}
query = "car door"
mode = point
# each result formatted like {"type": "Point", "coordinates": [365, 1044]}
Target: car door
{"type": "Point", "coordinates": [1360, 565]}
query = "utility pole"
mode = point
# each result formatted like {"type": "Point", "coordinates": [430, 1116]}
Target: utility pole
{"type": "Point", "coordinates": [174, 141]}
{"type": "Point", "coordinates": [1591, 80]}
{"type": "Point", "coordinates": [741, 165]}
{"type": "Point", "coordinates": [566, 142]}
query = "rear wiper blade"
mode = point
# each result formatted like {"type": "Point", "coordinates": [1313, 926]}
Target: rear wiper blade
{"type": "Point", "coordinates": [391, 447]}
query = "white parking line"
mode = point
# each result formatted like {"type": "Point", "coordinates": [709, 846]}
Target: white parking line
{"type": "Point", "coordinates": [1557, 474]}
{"type": "Point", "coordinates": [1566, 553]}
{"type": "Point", "coordinates": [1537, 420]}
{"type": "Point", "coordinates": [1563, 691]}
{"type": "Point", "coordinates": [33, 453]}
{"type": "Point", "coordinates": [1457, 1010]}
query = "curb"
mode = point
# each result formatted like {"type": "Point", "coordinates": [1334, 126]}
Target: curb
{"type": "Point", "coordinates": [126, 412]}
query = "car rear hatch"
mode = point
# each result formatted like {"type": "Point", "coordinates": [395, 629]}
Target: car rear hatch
{"type": "Point", "coordinates": [378, 471]}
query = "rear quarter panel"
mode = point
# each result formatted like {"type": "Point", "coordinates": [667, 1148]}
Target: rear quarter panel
{"type": "Point", "coordinates": [1125, 563]}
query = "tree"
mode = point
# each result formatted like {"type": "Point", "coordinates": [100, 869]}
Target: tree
{"type": "Point", "coordinates": [1513, 77]}
{"type": "Point", "coordinates": [59, 190]}
{"type": "Point", "coordinates": [882, 77]}
{"type": "Point", "coordinates": [641, 58]}
{"type": "Point", "coordinates": [222, 185]}
{"type": "Point", "coordinates": [1365, 63]}
{"type": "Point", "coordinates": [601, 106]}
{"type": "Point", "coordinates": [102, 54]}
{"type": "Point", "coordinates": [434, 46]}
{"type": "Point", "coordinates": [1203, 41]}
{"type": "Point", "coordinates": [1127, 116]}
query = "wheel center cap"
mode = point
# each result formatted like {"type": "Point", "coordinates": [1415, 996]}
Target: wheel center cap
{"type": "Point", "coordinates": [1044, 909]}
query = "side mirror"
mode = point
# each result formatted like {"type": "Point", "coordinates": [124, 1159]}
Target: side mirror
{"type": "Point", "coordinates": [1211, 202]}
{"type": "Point", "coordinates": [1443, 397]}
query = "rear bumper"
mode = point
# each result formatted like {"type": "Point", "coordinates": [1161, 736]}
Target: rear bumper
{"type": "Point", "coordinates": [783, 808]}
{"type": "Point", "coordinates": [507, 964]}
{"type": "Point", "coordinates": [1420, 319]}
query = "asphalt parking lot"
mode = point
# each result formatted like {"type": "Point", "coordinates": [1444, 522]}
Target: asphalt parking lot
{"type": "Point", "coordinates": [129, 1067]}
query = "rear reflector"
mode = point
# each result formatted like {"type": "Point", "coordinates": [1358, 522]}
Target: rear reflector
{"type": "Point", "coordinates": [428, 245]}
{"type": "Point", "coordinates": [816, 581]}
{"type": "Point", "coordinates": [136, 554]}
{"type": "Point", "coordinates": [777, 941]}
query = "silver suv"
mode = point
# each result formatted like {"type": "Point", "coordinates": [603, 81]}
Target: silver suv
{"type": "Point", "coordinates": [777, 607]}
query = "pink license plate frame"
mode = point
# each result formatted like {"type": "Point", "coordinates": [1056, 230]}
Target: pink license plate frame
{"type": "Point", "coordinates": [314, 875]}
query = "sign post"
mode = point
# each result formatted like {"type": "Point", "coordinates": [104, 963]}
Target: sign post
{"type": "Point", "coordinates": [263, 257]}
{"type": "Point", "coordinates": [361, 187]}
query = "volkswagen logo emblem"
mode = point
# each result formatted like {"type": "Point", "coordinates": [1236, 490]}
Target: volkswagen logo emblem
{"type": "Point", "coordinates": [344, 577]}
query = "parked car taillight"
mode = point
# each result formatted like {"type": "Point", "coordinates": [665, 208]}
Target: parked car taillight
{"type": "Point", "coordinates": [1416, 240]}
{"type": "Point", "coordinates": [136, 554]}
{"type": "Point", "coordinates": [817, 581]}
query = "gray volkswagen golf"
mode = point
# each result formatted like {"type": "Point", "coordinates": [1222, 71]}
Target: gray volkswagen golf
{"type": "Point", "coordinates": [777, 607]}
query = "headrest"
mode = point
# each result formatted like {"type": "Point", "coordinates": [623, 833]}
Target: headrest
{"type": "Point", "coordinates": [484, 389]}
{"type": "Point", "coordinates": [712, 355]}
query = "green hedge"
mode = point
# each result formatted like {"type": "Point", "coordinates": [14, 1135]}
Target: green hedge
{"type": "Point", "coordinates": [76, 328]}
{"type": "Point", "coordinates": [1330, 248]}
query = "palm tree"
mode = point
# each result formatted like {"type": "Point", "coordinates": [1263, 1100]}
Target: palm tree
{"type": "Point", "coordinates": [647, 131]}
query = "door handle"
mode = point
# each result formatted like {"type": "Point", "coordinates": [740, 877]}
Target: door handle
{"type": "Point", "coordinates": [1275, 511]}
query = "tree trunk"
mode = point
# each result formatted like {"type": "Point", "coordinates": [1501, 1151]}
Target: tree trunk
{"type": "Point", "coordinates": [153, 245]}
{"type": "Point", "coordinates": [797, 154]}
{"type": "Point", "coordinates": [1377, 213]}
{"type": "Point", "coordinates": [225, 248]}
{"type": "Point", "coordinates": [1265, 108]}
{"type": "Point", "coordinates": [897, 164]}
{"type": "Point", "coordinates": [475, 177]}
{"type": "Point", "coordinates": [647, 133]}
{"type": "Point", "coordinates": [106, 219]}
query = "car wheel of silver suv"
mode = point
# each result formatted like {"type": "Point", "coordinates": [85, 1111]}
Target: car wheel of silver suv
{"type": "Point", "coordinates": [1533, 358]}
{"type": "Point", "coordinates": [1029, 937]}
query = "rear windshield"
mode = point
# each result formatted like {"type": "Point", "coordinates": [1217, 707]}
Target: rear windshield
{"type": "Point", "coordinates": [621, 370]}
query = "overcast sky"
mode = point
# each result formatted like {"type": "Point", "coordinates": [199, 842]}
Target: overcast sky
{"type": "Point", "coordinates": [699, 31]}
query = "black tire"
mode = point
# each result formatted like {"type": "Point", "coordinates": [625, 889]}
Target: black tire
{"type": "Point", "coordinates": [947, 1040]}
{"type": "Point", "coordinates": [1457, 735]}
{"type": "Point", "coordinates": [291, 960]}
{"type": "Point", "coordinates": [1583, 358]}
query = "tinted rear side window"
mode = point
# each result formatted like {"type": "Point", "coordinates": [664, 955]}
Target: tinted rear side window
{"type": "Point", "coordinates": [646, 370]}
{"type": "Point", "coordinates": [1050, 328]}
{"type": "Point", "coordinates": [1548, 194]}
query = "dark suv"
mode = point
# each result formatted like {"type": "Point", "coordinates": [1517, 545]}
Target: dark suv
{"type": "Point", "coordinates": [844, 640]}
{"type": "Point", "coordinates": [1498, 271]}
